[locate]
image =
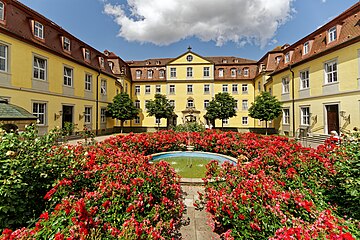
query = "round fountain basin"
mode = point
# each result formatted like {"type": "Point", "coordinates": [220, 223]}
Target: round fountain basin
{"type": "Point", "coordinates": [190, 165]}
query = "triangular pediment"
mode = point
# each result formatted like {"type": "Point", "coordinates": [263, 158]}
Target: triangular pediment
{"type": "Point", "coordinates": [189, 58]}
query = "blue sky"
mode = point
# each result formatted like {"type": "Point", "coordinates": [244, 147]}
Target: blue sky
{"type": "Point", "coordinates": [241, 28]}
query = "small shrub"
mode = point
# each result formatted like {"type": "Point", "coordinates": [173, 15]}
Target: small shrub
{"type": "Point", "coordinates": [189, 127]}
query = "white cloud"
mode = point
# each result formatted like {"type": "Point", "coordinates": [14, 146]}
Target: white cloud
{"type": "Point", "coordinates": [163, 22]}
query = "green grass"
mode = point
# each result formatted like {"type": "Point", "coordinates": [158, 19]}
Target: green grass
{"type": "Point", "coordinates": [189, 167]}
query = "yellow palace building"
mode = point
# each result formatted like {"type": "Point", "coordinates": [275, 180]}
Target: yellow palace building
{"type": "Point", "coordinates": [60, 79]}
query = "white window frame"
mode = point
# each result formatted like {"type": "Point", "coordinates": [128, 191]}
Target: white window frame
{"type": "Point", "coordinates": [233, 72]}
{"type": "Point", "coordinates": [235, 88]}
{"type": "Point", "coordinates": [244, 88]}
{"type": "Point", "coordinates": [138, 74]}
{"type": "Point", "coordinates": [4, 58]}
{"type": "Point", "coordinates": [38, 30]}
{"type": "Point", "coordinates": [285, 85]}
{"type": "Point", "coordinates": [304, 79]}
{"type": "Point", "coordinates": [158, 89]}
{"type": "Point", "coordinates": [103, 115]}
{"type": "Point", "coordinates": [137, 90]}
{"type": "Point", "coordinates": [305, 115]}
{"type": "Point", "coordinates": [87, 54]}
{"type": "Point", "coordinates": [331, 76]}
{"type": "Point", "coordinates": [172, 103]}
{"type": "Point", "coordinates": [68, 76]}
{"type": "Point", "coordinates": [161, 73]}
{"type": "Point", "coordinates": [286, 116]}
{"type": "Point", "coordinates": [172, 89]}
{"type": "Point", "coordinates": [150, 74]}
{"type": "Point", "coordinates": [287, 57]}
{"type": "Point", "coordinates": [245, 104]}
{"type": "Point", "coordinates": [246, 72]}
{"type": "Point", "coordinates": [157, 120]}
{"type": "Point", "coordinates": [189, 89]}
{"type": "Point", "coordinates": [147, 89]}
{"type": "Point", "coordinates": [137, 120]}
{"type": "Point", "coordinates": [236, 105]}
{"type": "Point", "coordinates": [38, 69]}
{"type": "Point", "coordinates": [221, 72]}
{"type": "Point", "coordinates": [137, 103]}
{"type": "Point", "coordinates": [206, 103]}
{"type": "Point", "coordinates": [2, 11]}
{"type": "Point", "coordinates": [332, 34]}
{"type": "Point", "coordinates": [306, 48]}
{"type": "Point", "coordinates": [189, 72]}
{"type": "Point", "coordinates": [41, 115]}
{"type": "Point", "coordinates": [245, 120]}
{"type": "Point", "coordinates": [66, 44]}
{"type": "Point", "coordinates": [172, 72]}
{"type": "Point", "coordinates": [103, 87]}
{"type": "Point", "coordinates": [206, 71]}
{"type": "Point", "coordinates": [225, 121]}
{"type": "Point", "coordinates": [87, 115]}
{"type": "Point", "coordinates": [88, 82]}
{"type": "Point", "coordinates": [206, 88]}
{"type": "Point", "coordinates": [146, 102]}
{"type": "Point", "coordinates": [190, 103]}
{"type": "Point", "coordinates": [102, 62]}
{"type": "Point", "coordinates": [225, 88]}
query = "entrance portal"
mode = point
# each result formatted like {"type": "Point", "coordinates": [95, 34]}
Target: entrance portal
{"type": "Point", "coordinates": [332, 114]}
{"type": "Point", "coordinates": [67, 117]}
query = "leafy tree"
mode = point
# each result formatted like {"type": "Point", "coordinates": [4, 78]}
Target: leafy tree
{"type": "Point", "coordinates": [160, 107]}
{"type": "Point", "coordinates": [221, 107]}
{"type": "Point", "coordinates": [122, 108]}
{"type": "Point", "coordinates": [265, 108]}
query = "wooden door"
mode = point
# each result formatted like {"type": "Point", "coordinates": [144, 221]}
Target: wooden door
{"type": "Point", "coordinates": [332, 112]}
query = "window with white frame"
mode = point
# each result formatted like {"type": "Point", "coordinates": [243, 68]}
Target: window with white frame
{"type": "Point", "coordinates": [103, 115]}
{"type": "Point", "coordinates": [88, 81]}
{"type": "Point", "coordinates": [3, 58]}
{"type": "Point", "coordinates": [87, 115]}
{"type": "Point", "coordinates": [147, 89]}
{"type": "Point", "coordinates": [206, 72]}
{"type": "Point", "coordinates": [206, 103]}
{"type": "Point", "coordinates": [103, 87]}
{"type": "Point", "coordinates": [190, 103]}
{"type": "Point", "coordinates": [239, 71]}
{"type": "Point", "coordinates": [111, 65]}
{"type": "Point", "coordinates": [150, 73]}
{"type": "Point", "coordinates": [157, 120]}
{"type": "Point", "coordinates": [68, 76]}
{"type": "Point", "coordinates": [225, 121]}
{"type": "Point", "coordinates": [305, 115]}
{"type": "Point", "coordinates": [206, 88]}
{"type": "Point", "coordinates": [189, 72]}
{"type": "Point", "coordinates": [39, 110]}
{"type": "Point", "coordinates": [277, 59]}
{"type": "Point", "coordinates": [221, 72]}
{"type": "Point", "coordinates": [189, 89]}
{"type": "Point", "coordinates": [172, 103]}
{"type": "Point", "coordinates": [245, 120]}
{"type": "Point", "coordinates": [287, 57]}
{"type": "Point", "coordinates": [146, 103]}
{"type": "Point", "coordinates": [40, 66]}
{"type": "Point", "coordinates": [87, 54]}
{"type": "Point", "coordinates": [2, 11]}
{"type": "Point", "coordinates": [331, 72]}
{"type": "Point", "coordinates": [244, 88]}
{"type": "Point", "coordinates": [235, 88]}
{"type": "Point", "coordinates": [137, 103]}
{"type": "Point", "coordinates": [137, 90]}
{"type": "Point", "coordinates": [66, 44]}
{"type": "Point", "coordinates": [246, 72]}
{"type": "Point", "coordinates": [332, 34]}
{"type": "Point", "coordinates": [233, 72]}
{"type": "Point", "coordinates": [162, 73]}
{"type": "Point", "coordinates": [38, 30]}
{"type": "Point", "coordinates": [102, 62]}
{"type": "Point", "coordinates": [172, 89]}
{"type": "Point", "coordinates": [225, 88]}
{"type": "Point", "coordinates": [138, 74]}
{"type": "Point", "coordinates": [173, 72]}
{"type": "Point", "coordinates": [137, 120]}
{"type": "Point", "coordinates": [245, 105]}
{"type": "Point", "coordinates": [158, 89]}
{"type": "Point", "coordinates": [306, 48]}
{"type": "Point", "coordinates": [285, 85]}
{"type": "Point", "coordinates": [304, 79]}
{"type": "Point", "coordinates": [286, 116]}
{"type": "Point", "coordinates": [236, 105]}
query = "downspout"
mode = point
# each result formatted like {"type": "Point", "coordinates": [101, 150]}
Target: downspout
{"type": "Point", "coordinates": [97, 103]}
{"type": "Point", "coordinates": [293, 100]}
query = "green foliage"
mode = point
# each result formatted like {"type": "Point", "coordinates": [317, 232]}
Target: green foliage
{"type": "Point", "coordinates": [189, 127]}
{"type": "Point", "coordinates": [221, 107]}
{"type": "Point", "coordinates": [265, 107]}
{"type": "Point", "coordinates": [28, 168]}
{"type": "Point", "coordinates": [346, 183]}
{"type": "Point", "coordinates": [160, 107]}
{"type": "Point", "coordinates": [122, 108]}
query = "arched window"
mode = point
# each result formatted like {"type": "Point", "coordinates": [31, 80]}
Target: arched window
{"type": "Point", "coordinates": [138, 74]}
{"type": "Point", "coordinates": [2, 11]}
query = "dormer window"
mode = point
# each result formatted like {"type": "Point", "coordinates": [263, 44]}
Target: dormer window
{"type": "Point", "coordinates": [161, 73]}
{"type": "Point", "coordinates": [246, 72]}
{"type": "Point", "coordinates": [224, 61]}
{"type": "Point", "coordinates": [138, 74]}
{"type": "Point", "coordinates": [87, 55]}
{"type": "Point", "coordinates": [233, 72]}
{"type": "Point", "coordinates": [150, 73]}
{"type": "Point", "coordinates": [332, 34]}
{"type": "Point", "coordinates": [66, 44]}
{"type": "Point", "coordinates": [287, 57]}
{"type": "Point", "coordinates": [236, 61]}
{"type": "Point", "coordinates": [306, 48]}
{"type": "Point", "coordinates": [277, 59]}
{"type": "Point", "coordinates": [157, 62]}
{"type": "Point", "coordinates": [102, 62]}
{"type": "Point", "coordinates": [221, 72]}
{"type": "Point", "coordinates": [38, 30]}
{"type": "Point", "coordinates": [2, 11]}
{"type": "Point", "coordinates": [111, 65]}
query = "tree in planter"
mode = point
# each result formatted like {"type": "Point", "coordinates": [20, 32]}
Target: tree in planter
{"type": "Point", "coordinates": [160, 107]}
{"type": "Point", "coordinates": [265, 108]}
{"type": "Point", "coordinates": [122, 108]}
{"type": "Point", "coordinates": [221, 107]}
